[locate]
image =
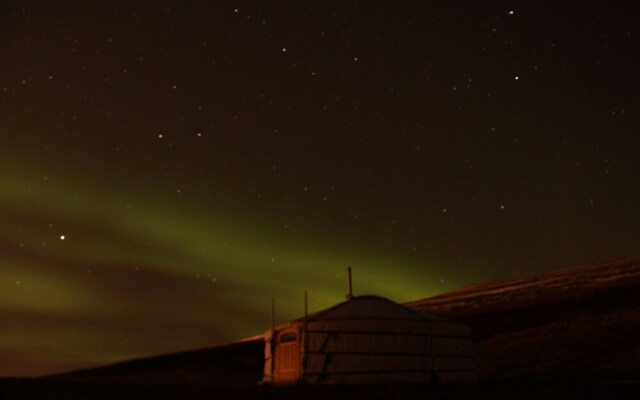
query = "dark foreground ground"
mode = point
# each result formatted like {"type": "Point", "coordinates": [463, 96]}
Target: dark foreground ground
{"type": "Point", "coordinates": [42, 389]}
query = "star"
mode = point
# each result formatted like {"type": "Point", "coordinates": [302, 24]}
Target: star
{"type": "Point", "coordinates": [62, 237]}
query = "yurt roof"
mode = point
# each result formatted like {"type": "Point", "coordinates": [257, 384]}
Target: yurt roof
{"type": "Point", "coordinates": [369, 308]}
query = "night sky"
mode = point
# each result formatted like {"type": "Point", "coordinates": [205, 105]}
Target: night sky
{"type": "Point", "coordinates": [166, 168]}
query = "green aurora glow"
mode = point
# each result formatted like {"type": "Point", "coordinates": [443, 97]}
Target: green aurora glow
{"type": "Point", "coordinates": [127, 269]}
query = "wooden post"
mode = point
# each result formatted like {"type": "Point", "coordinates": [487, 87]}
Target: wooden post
{"type": "Point", "coordinates": [273, 313]}
{"type": "Point", "coordinates": [305, 335]}
{"type": "Point", "coordinates": [306, 309]}
{"type": "Point", "coordinates": [306, 318]}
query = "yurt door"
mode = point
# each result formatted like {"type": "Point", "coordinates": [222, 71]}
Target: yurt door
{"type": "Point", "coordinates": [288, 356]}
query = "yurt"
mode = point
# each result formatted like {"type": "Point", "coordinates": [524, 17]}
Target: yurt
{"type": "Point", "coordinates": [368, 339]}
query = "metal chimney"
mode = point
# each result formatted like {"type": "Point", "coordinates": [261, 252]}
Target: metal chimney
{"type": "Point", "coordinates": [349, 287]}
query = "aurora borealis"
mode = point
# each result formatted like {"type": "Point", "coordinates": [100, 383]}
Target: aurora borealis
{"type": "Point", "coordinates": [166, 168]}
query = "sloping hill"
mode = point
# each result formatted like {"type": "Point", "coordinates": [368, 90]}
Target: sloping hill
{"type": "Point", "coordinates": [581, 322]}
{"type": "Point", "coordinates": [235, 364]}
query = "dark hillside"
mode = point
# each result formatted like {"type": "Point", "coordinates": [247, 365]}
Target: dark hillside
{"type": "Point", "coordinates": [229, 365]}
{"type": "Point", "coordinates": [581, 322]}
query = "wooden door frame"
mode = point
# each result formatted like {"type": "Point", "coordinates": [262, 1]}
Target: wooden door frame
{"type": "Point", "coordinates": [294, 374]}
